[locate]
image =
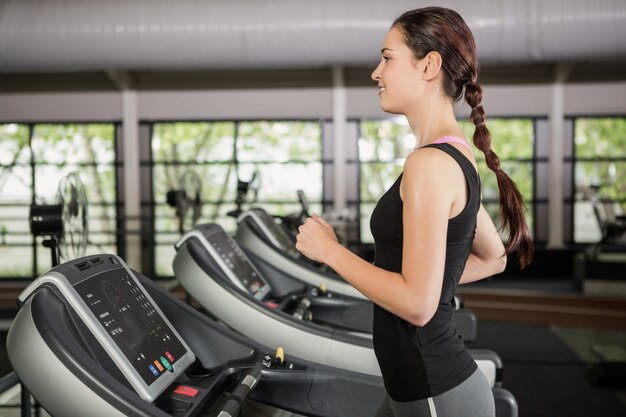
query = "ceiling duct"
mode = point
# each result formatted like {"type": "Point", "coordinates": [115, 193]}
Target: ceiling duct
{"type": "Point", "coordinates": [79, 35]}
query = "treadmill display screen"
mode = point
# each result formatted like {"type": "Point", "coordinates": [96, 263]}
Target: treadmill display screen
{"type": "Point", "coordinates": [129, 317]}
{"type": "Point", "coordinates": [285, 242]}
{"type": "Point", "coordinates": [239, 266]}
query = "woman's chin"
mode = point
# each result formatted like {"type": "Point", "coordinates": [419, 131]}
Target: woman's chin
{"type": "Point", "coordinates": [388, 108]}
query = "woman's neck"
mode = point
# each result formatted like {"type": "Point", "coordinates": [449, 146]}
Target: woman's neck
{"type": "Point", "coordinates": [432, 122]}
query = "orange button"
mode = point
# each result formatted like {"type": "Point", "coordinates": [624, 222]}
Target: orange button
{"type": "Point", "coordinates": [158, 365]}
{"type": "Point", "coordinates": [186, 391]}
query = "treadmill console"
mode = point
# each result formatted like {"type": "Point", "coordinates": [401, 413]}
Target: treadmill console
{"type": "Point", "coordinates": [124, 319]}
{"type": "Point", "coordinates": [234, 263]}
{"type": "Point", "coordinates": [272, 231]}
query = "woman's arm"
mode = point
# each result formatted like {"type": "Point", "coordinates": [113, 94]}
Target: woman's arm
{"type": "Point", "coordinates": [414, 294]}
{"type": "Point", "coordinates": [487, 255]}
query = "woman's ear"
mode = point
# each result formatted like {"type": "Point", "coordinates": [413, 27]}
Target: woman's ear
{"type": "Point", "coordinates": [432, 65]}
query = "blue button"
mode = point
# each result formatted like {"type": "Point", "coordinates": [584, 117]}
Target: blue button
{"type": "Point", "coordinates": [154, 370]}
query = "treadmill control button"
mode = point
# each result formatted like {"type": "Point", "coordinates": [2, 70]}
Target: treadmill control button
{"type": "Point", "coordinates": [186, 391]}
{"type": "Point", "coordinates": [166, 363]}
{"type": "Point", "coordinates": [154, 370]}
{"type": "Point", "coordinates": [279, 357]}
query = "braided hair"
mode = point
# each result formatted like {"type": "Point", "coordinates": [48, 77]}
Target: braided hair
{"type": "Point", "coordinates": [445, 32]}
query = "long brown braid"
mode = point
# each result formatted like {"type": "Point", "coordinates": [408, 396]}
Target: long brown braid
{"type": "Point", "coordinates": [444, 31]}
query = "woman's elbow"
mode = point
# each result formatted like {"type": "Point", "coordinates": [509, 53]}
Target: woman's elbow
{"type": "Point", "coordinates": [420, 317]}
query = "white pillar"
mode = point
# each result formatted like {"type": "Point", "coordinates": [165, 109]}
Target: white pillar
{"type": "Point", "coordinates": [339, 139]}
{"type": "Point", "coordinates": [130, 147]}
{"type": "Point", "coordinates": [557, 145]}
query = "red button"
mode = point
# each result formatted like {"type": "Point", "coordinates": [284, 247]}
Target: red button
{"type": "Point", "coordinates": [186, 391]}
{"type": "Point", "coordinates": [169, 356]}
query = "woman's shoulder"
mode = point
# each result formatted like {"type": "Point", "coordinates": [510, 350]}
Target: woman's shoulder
{"type": "Point", "coordinates": [426, 158]}
{"type": "Point", "coordinates": [429, 170]}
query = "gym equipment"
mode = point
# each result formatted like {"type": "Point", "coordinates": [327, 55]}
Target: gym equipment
{"type": "Point", "coordinates": [186, 200]}
{"type": "Point", "coordinates": [273, 252]}
{"type": "Point", "coordinates": [63, 223]}
{"type": "Point", "coordinates": [95, 338]}
{"type": "Point", "coordinates": [612, 225]}
{"type": "Point", "coordinates": [310, 323]}
{"type": "Point", "coordinates": [243, 189]}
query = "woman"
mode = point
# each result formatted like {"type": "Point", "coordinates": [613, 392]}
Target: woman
{"type": "Point", "coordinates": [430, 230]}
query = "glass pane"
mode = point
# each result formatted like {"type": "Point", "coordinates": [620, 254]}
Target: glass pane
{"type": "Point", "coordinates": [520, 172]}
{"type": "Point", "coordinates": [288, 208]}
{"type": "Point", "coordinates": [193, 141]}
{"type": "Point", "coordinates": [14, 223]}
{"type": "Point", "coordinates": [510, 138]}
{"type": "Point", "coordinates": [15, 196]}
{"type": "Point", "coordinates": [609, 176]}
{"type": "Point", "coordinates": [163, 258]}
{"type": "Point", "coordinates": [610, 180]}
{"type": "Point", "coordinates": [15, 185]}
{"type": "Point", "coordinates": [586, 226]}
{"type": "Point", "coordinates": [99, 182]}
{"type": "Point", "coordinates": [101, 223]}
{"type": "Point", "coordinates": [376, 178]}
{"type": "Point", "coordinates": [385, 140]}
{"type": "Point", "coordinates": [219, 181]}
{"type": "Point", "coordinates": [600, 137]}
{"type": "Point", "coordinates": [366, 215]}
{"type": "Point", "coordinates": [14, 148]}
{"type": "Point", "coordinates": [74, 143]}
{"type": "Point", "coordinates": [279, 141]}
{"type": "Point", "coordinates": [280, 182]}
{"type": "Point", "coordinates": [165, 220]}
{"type": "Point", "coordinates": [17, 261]}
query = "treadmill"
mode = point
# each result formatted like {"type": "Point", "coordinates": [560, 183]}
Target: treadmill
{"type": "Point", "coordinates": [273, 252]}
{"type": "Point", "coordinates": [215, 271]}
{"type": "Point", "coordinates": [95, 338]}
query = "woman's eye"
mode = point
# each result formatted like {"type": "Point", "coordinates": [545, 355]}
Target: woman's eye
{"type": "Point", "coordinates": [385, 58]}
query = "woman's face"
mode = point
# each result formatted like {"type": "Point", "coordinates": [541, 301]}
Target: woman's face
{"type": "Point", "coordinates": [397, 75]}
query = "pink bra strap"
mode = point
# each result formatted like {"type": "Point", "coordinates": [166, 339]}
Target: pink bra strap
{"type": "Point", "coordinates": [447, 139]}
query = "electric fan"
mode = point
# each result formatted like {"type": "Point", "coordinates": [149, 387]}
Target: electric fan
{"type": "Point", "coordinates": [65, 222]}
{"type": "Point", "coordinates": [186, 200]}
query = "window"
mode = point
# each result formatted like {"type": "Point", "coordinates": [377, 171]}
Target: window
{"type": "Point", "coordinates": [282, 156]}
{"type": "Point", "coordinates": [599, 162]}
{"type": "Point", "coordinates": [34, 159]}
{"type": "Point", "coordinates": [513, 141]}
{"type": "Point", "coordinates": [15, 196]}
{"type": "Point", "coordinates": [384, 145]}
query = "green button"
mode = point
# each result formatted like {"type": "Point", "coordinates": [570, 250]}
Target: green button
{"type": "Point", "coordinates": [165, 363]}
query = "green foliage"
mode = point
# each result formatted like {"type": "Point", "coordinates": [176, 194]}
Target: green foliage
{"type": "Point", "coordinates": [600, 137]}
{"type": "Point", "coordinates": [14, 144]}
{"type": "Point", "coordinates": [279, 141]}
{"type": "Point", "coordinates": [193, 141]}
{"type": "Point", "coordinates": [603, 137]}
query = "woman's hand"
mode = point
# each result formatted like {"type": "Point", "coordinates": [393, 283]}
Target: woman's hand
{"type": "Point", "coordinates": [315, 238]}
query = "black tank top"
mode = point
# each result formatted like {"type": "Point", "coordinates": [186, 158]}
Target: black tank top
{"type": "Point", "coordinates": [422, 362]}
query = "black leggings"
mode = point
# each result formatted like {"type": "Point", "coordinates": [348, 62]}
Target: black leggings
{"type": "Point", "coordinates": [471, 398]}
